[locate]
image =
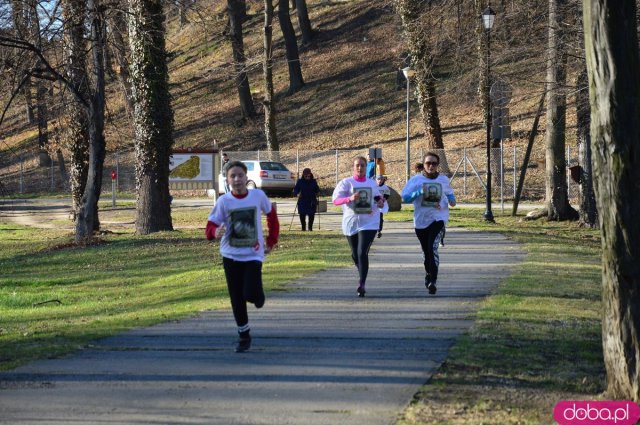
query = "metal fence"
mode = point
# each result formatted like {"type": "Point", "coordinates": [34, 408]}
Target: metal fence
{"type": "Point", "coordinates": [465, 167]}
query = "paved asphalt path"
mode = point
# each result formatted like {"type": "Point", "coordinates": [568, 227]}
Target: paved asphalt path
{"type": "Point", "coordinates": [320, 355]}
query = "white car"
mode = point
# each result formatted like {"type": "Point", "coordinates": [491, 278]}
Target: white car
{"type": "Point", "coordinates": [269, 176]}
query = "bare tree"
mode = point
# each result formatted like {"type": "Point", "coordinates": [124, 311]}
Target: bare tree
{"type": "Point", "coordinates": [119, 37]}
{"type": "Point", "coordinates": [153, 116]}
{"type": "Point", "coordinates": [481, 51]}
{"type": "Point", "coordinates": [583, 172]}
{"type": "Point", "coordinates": [77, 131]}
{"type": "Point", "coordinates": [557, 197]}
{"type": "Point", "coordinates": [32, 24]}
{"type": "Point", "coordinates": [303, 21]}
{"type": "Point", "coordinates": [95, 104]}
{"type": "Point", "coordinates": [237, 10]}
{"type": "Point", "coordinates": [270, 134]}
{"type": "Point", "coordinates": [613, 61]}
{"type": "Point", "coordinates": [296, 82]}
{"type": "Point", "coordinates": [422, 61]}
{"type": "Point", "coordinates": [20, 32]}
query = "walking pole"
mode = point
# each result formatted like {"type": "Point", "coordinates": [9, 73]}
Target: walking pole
{"type": "Point", "coordinates": [293, 215]}
{"type": "Point", "coordinates": [318, 208]}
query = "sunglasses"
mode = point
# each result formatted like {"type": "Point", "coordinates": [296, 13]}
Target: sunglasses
{"type": "Point", "coordinates": [431, 163]}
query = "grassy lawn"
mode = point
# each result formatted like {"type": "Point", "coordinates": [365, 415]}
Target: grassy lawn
{"type": "Point", "coordinates": [55, 298]}
{"type": "Point", "coordinates": [536, 340]}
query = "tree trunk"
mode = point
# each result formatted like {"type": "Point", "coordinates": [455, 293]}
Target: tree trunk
{"type": "Point", "coordinates": [611, 45]}
{"type": "Point", "coordinates": [557, 198]}
{"type": "Point", "coordinates": [43, 134]}
{"type": "Point", "coordinates": [118, 27]}
{"type": "Point", "coordinates": [33, 29]}
{"type": "Point", "coordinates": [432, 118]}
{"type": "Point", "coordinates": [236, 11]}
{"type": "Point", "coordinates": [296, 82]}
{"type": "Point", "coordinates": [26, 91]}
{"type": "Point", "coordinates": [108, 61]}
{"type": "Point", "coordinates": [20, 24]}
{"type": "Point", "coordinates": [270, 134]}
{"type": "Point", "coordinates": [153, 116]}
{"type": "Point", "coordinates": [497, 176]}
{"type": "Point", "coordinates": [422, 63]}
{"type": "Point", "coordinates": [182, 12]}
{"type": "Point", "coordinates": [303, 21]}
{"type": "Point", "coordinates": [77, 132]}
{"type": "Point", "coordinates": [481, 48]}
{"type": "Point", "coordinates": [243, 10]}
{"type": "Point", "coordinates": [61, 168]}
{"type": "Point", "coordinates": [87, 219]}
{"type": "Point", "coordinates": [588, 211]}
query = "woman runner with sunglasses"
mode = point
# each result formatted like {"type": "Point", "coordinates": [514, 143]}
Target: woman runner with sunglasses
{"type": "Point", "coordinates": [431, 195]}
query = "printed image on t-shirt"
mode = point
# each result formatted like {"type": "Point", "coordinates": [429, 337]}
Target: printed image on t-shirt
{"type": "Point", "coordinates": [363, 204]}
{"type": "Point", "coordinates": [243, 227]}
{"type": "Point", "coordinates": [431, 194]}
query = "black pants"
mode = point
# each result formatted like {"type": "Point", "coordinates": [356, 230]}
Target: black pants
{"type": "Point", "coordinates": [360, 244]}
{"type": "Point", "coordinates": [429, 241]}
{"type": "Point", "coordinates": [244, 281]}
{"type": "Point", "coordinates": [302, 221]}
{"type": "Point", "coordinates": [381, 222]}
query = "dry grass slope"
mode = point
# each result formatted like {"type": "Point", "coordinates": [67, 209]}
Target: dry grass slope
{"type": "Point", "coordinates": [351, 99]}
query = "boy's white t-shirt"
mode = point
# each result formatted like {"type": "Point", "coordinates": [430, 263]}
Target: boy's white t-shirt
{"type": "Point", "coordinates": [423, 216]}
{"type": "Point", "coordinates": [243, 239]}
{"type": "Point", "coordinates": [353, 222]}
{"type": "Point", "coordinates": [384, 190]}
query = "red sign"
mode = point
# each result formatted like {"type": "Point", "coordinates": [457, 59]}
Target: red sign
{"type": "Point", "coordinates": [113, 174]}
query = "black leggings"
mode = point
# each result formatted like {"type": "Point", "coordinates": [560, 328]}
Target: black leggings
{"type": "Point", "coordinates": [360, 244]}
{"type": "Point", "coordinates": [302, 221]}
{"type": "Point", "coordinates": [429, 241]}
{"type": "Point", "coordinates": [244, 281]}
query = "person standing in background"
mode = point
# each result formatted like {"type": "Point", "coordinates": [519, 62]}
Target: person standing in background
{"type": "Point", "coordinates": [307, 190]}
{"type": "Point", "coordinates": [380, 171]}
{"type": "Point", "coordinates": [371, 167]}
{"type": "Point", "coordinates": [223, 170]}
{"type": "Point", "coordinates": [386, 192]}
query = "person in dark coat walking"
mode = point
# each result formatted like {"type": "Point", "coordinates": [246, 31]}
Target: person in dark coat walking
{"type": "Point", "coordinates": [307, 191]}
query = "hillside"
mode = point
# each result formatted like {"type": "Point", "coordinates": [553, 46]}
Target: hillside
{"type": "Point", "coordinates": [351, 100]}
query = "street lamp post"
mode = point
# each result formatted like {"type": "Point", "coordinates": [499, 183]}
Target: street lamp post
{"type": "Point", "coordinates": [408, 73]}
{"type": "Point", "coordinates": [488, 17]}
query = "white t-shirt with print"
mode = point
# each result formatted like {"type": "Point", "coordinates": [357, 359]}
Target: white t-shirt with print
{"type": "Point", "coordinates": [353, 219]}
{"type": "Point", "coordinates": [384, 190]}
{"type": "Point", "coordinates": [243, 239]}
{"type": "Point", "coordinates": [424, 212]}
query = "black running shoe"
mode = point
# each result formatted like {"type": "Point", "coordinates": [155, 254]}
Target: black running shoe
{"type": "Point", "coordinates": [432, 288]}
{"type": "Point", "coordinates": [243, 345]}
{"type": "Point", "coordinates": [379, 235]}
{"type": "Point", "coordinates": [361, 291]}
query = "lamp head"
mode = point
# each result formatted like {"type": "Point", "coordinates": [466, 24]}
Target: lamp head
{"type": "Point", "coordinates": [488, 16]}
{"type": "Point", "coordinates": [408, 72]}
